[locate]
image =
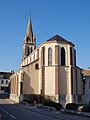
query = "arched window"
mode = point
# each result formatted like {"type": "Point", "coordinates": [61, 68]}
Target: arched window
{"type": "Point", "coordinates": [50, 56]}
{"type": "Point", "coordinates": [31, 50]}
{"type": "Point", "coordinates": [28, 51]}
{"type": "Point", "coordinates": [71, 56]}
{"type": "Point", "coordinates": [62, 56]}
{"type": "Point", "coordinates": [28, 39]}
{"type": "Point", "coordinates": [36, 66]}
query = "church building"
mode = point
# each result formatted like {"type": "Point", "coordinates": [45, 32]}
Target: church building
{"type": "Point", "coordinates": [49, 70]}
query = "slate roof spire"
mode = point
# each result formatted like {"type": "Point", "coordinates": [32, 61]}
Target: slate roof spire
{"type": "Point", "coordinates": [60, 39]}
{"type": "Point", "coordinates": [29, 31]}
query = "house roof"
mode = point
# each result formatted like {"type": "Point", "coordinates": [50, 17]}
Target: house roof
{"type": "Point", "coordinates": [5, 75]}
{"type": "Point", "coordinates": [86, 72]}
{"type": "Point", "coordinates": [59, 39]}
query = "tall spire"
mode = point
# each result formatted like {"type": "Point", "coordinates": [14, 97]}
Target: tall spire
{"type": "Point", "coordinates": [29, 41]}
{"type": "Point", "coordinates": [29, 32]}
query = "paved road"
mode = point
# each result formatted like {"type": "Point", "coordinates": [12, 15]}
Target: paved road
{"type": "Point", "coordinates": [4, 95]}
{"type": "Point", "coordinates": [11, 111]}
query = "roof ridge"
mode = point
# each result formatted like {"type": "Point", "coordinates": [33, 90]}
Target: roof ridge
{"type": "Point", "coordinates": [59, 39]}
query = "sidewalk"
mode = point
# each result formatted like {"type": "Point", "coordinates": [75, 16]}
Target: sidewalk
{"type": "Point", "coordinates": [12, 101]}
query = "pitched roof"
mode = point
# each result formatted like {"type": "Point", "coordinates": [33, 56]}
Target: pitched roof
{"type": "Point", "coordinates": [5, 75]}
{"type": "Point", "coordinates": [59, 39]}
{"type": "Point", "coordinates": [86, 72]}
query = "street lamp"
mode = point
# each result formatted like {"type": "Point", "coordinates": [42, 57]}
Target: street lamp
{"type": "Point", "coordinates": [84, 82]}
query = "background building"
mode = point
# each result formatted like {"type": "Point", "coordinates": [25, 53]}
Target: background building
{"type": "Point", "coordinates": [86, 86]}
{"type": "Point", "coordinates": [4, 81]}
{"type": "Point", "coordinates": [49, 70]}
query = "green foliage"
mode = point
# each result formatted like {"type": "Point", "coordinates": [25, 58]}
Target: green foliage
{"type": "Point", "coordinates": [58, 106]}
{"type": "Point", "coordinates": [32, 98]}
{"type": "Point", "coordinates": [72, 106]}
{"type": "Point", "coordinates": [47, 100]}
{"type": "Point", "coordinates": [86, 108]}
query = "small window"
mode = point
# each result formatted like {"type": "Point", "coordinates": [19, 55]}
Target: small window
{"type": "Point", "coordinates": [6, 81]}
{"type": "Point", "coordinates": [36, 66]}
{"type": "Point", "coordinates": [28, 39]}
{"type": "Point", "coordinates": [28, 51]}
{"type": "Point", "coordinates": [2, 82]}
{"type": "Point", "coordinates": [31, 50]}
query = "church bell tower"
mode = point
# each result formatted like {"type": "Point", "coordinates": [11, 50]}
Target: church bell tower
{"type": "Point", "coordinates": [29, 41]}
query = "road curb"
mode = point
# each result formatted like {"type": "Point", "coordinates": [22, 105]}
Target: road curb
{"type": "Point", "coordinates": [77, 112]}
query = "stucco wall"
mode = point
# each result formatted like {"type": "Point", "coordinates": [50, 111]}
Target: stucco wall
{"type": "Point", "coordinates": [50, 81]}
{"type": "Point", "coordinates": [79, 82]}
{"type": "Point", "coordinates": [63, 79]}
{"type": "Point", "coordinates": [31, 79]}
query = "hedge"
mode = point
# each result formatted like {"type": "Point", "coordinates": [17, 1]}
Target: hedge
{"type": "Point", "coordinates": [58, 106]}
{"type": "Point", "coordinates": [72, 106]}
{"type": "Point", "coordinates": [86, 108]}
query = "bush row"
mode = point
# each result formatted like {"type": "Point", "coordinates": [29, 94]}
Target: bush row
{"type": "Point", "coordinates": [86, 108]}
{"type": "Point", "coordinates": [74, 106]}
{"type": "Point", "coordinates": [32, 99]}
{"type": "Point", "coordinates": [58, 106]}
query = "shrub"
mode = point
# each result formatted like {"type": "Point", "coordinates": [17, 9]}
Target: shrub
{"type": "Point", "coordinates": [72, 106]}
{"type": "Point", "coordinates": [32, 98]}
{"type": "Point", "coordinates": [86, 108]}
{"type": "Point", "coordinates": [58, 106]}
